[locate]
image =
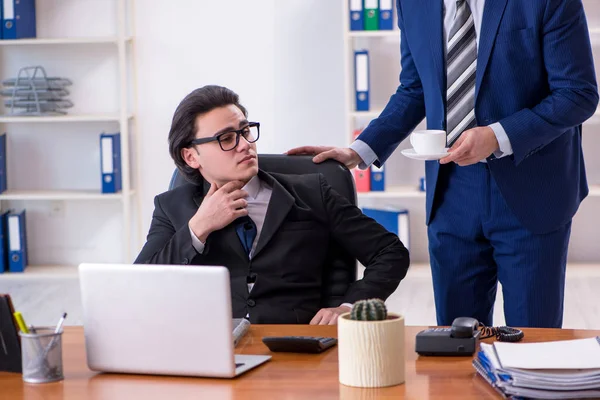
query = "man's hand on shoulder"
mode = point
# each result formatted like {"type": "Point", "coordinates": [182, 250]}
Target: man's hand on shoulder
{"type": "Point", "coordinates": [329, 316]}
{"type": "Point", "coordinates": [219, 208]}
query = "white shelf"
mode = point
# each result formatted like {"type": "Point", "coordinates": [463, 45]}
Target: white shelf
{"type": "Point", "coordinates": [60, 195]}
{"type": "Point", "coordinates": [388, 33]}
{"type": "Point", "coordinates": [34, 272]}
{"type": "Point", "coordinates": [13, 119]}
{"type": "Point", "coordinates": [394, 192]}
{"type": "Point", "coordinates": [75, 40]}
{"type": "Point", "coordinates": [366, 114]}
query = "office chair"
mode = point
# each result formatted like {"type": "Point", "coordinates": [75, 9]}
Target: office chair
{"type": "Point", "coordinates": [342, 266]}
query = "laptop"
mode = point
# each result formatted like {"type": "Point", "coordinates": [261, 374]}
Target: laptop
{"type": "Point", "coordinates": [160, 319]}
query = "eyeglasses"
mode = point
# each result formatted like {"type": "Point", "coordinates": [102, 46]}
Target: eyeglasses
{"type": "Point", "coordinates": [229, 140]}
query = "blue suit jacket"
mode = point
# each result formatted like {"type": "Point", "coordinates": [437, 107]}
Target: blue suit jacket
{"type": "Point", "coordinates": [535, 75]}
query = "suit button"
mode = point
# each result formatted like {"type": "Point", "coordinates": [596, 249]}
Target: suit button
{"type": "Point", "coordinates": [251, 303]}
{"type": "Point", "coordinates": [186, 261]}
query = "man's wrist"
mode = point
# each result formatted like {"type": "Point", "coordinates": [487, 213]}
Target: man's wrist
{"type": "Point", "coordinates": [200, 231]}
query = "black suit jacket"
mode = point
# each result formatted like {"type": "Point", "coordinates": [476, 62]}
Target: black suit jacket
{"type": "Point", "coordinates": [305, 217]}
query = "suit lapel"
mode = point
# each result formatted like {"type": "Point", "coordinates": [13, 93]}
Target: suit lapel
{"type": "Point", "coordinates": [492, 14]}
{"type": "Point", "coordinates": [279, 206]}
{"type": "Point", "coordinates": [434, 25]}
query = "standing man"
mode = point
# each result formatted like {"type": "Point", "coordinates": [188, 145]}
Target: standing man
{"type": "Point", "coordinates": [511, 82]}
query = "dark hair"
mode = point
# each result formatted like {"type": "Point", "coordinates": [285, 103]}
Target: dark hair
{"type": "Point", "coordinates": [183, 126]}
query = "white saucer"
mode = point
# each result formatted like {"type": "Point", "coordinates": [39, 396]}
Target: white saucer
{"type": "Point", "coordinates": [411, 153]}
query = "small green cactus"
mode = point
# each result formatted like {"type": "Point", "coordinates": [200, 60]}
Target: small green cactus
{"type": "Point", "coordinates": [369, 310]}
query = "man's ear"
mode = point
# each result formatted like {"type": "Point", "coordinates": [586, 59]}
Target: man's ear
{"type": "Point", "coordinates": [190, 156]}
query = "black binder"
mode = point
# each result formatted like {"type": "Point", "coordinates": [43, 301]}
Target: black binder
{"type": "Point", "coordinates": [10, 345]}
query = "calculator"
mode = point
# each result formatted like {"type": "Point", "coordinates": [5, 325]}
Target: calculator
{"type": "Point", "coordinates": [299, 344]}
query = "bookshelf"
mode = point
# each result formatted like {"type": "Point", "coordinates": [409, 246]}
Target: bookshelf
{"type": "Point", "coordinates": [77, 187]}
{"type": "Point", "coordinates": [402, 175]}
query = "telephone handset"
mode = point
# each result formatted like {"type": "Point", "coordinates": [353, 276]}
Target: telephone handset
{"type": "Point", "coordinates": [464, 327]}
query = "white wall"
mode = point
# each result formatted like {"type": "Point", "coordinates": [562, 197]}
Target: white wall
{"type": "Point", "coordinates": [284, 59]}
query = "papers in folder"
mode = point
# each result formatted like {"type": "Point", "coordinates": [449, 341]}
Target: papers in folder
{"type": "Point", "coordinates": [568, 369]}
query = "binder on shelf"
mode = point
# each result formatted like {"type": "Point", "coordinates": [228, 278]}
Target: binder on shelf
{"type": "Point", "coordinates": [422, 184]}
{"type": "Point", "coordinates": [371, 15]}
{"type": "Point", "coordinates": [17, 242]}
{"type": "Point", "coordinates": [3, 182]}
{"type": "Point", "coordinates": [110, 162]}
{"type": "Point", "coordinates": [361, 79]}
{"type": "Point", "coordinates": [386, 15]}
{"type": "Point", "coordinates": [18, 19]}
{"type": "Point", "coordinates": [4, 241]}
{"type": "Point", "coordinates": [362, 177]}
{"type": "Point", "coordinates": [377, 178]}
{"type": "Point", "coordinates": [356, 15]}
{"type": "Point", "coordinates": [394, 220]}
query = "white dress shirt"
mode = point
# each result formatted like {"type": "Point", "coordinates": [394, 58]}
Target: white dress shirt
{"type": "Point", "coordinates": [259, 195]}
{"type": "Point", "coordinates": [505, 149]}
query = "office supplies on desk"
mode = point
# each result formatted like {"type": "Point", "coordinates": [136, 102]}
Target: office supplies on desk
{"type": "Point", "coordinates": [568, 369]}
{"type": "Point", "coordinates": [151, 297]}
{"type": "Point", "coordinates": [299, 344]}
{"type": "Point", "coordinates": [10, 348]}
{"type": "Point", "coordinates": [18, 19]}
{"type": "Point", "coordinates": [356, 15]}
{"type": "Point", "coordinates": [17, 241]}
{"type": "Point", "coordinates": [361, 79]}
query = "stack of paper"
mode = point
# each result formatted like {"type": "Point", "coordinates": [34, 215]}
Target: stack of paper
{"type": "Point", "coordinates": [568, 369]}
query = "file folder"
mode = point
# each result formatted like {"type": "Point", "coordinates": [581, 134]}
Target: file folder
{"type": "Point", "coordinates": [394, 220]}
{"type": "Point", "coordinates": [10, 346]}
{"type": "Point", "coordinates": [17, 242]}
{"type": "Point", "coordinates": [371, 12]}
{"type": "Point", "coordinates": [4, 241]}
{"type": "Point", "coordinates": [3, 182]}
{"type": "Point", "coordinates": [377, 178]}
{"type": "Point", "coordinates": [110, 162]}
{"type": "Point", "coordinates": [361, 79]}
{"type": "Point", "coordinates": [362, 177]}
{"type": "Point", "coordinates": [386, 15]}
{"type": "Point", "coordinates": [356, 15]}
{"type": "Point", "coordinates": [18, 19]}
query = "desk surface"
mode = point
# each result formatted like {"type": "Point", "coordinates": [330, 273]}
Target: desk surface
{"type": "Point", "coordinates": [289, 376]}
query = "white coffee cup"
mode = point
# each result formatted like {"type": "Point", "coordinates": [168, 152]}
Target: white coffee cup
{"type": "Point", "coordinates": [428, 141]}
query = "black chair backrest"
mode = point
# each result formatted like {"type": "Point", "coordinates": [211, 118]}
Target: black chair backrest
{"type": "Point", "coordinates": [341, 267]}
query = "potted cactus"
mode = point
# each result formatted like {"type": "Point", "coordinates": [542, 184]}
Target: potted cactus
{"type": "Point", "coordinates": [371, 346]}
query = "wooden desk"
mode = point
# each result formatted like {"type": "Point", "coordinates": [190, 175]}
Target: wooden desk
{"type": "Point", "coordinates": [286, 376]}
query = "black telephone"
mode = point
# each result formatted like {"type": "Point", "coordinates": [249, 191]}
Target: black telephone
{"type": "Point", "coordinates": [461, 338]}
{"type": "Point", "coordinates": [458, 340]}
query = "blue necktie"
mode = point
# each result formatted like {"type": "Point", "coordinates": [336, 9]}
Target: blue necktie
{"type": "Point", "coordinates": [246, 231]}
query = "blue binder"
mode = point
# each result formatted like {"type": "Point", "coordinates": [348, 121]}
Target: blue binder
{"type": "Point", "coordinates": [17, 242]}
{"type": "Point", "coordinates": [377, 178]}
{"type": "Point", "coordinates": [386, 15]}
{"type": "Point", "coordinates": [394, 220]}
{"type": "Point", "coordinates": [361, 79]}
{"type": "Point", "coordinates": [356, 15]}
{"type": "Point", "coordinates": [4, 241]}
{"type": "Point", "coordinates": [3, 183]}
{"type": "Point", "coordinates": [110, 162]}
{"type": "Point", "coordinates": [18, 19]}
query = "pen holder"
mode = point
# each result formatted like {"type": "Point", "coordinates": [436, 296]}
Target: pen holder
{"type": "Point", "coordinates": [41, 354]}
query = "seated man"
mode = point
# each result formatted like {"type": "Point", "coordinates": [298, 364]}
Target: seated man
{"type": "Point", "coordinates": [272, 231]}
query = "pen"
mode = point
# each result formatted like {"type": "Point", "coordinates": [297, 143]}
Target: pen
{"type": "Point", "coordinates": [21, 322]}
{"type": "Point", "coordinates": [61, 321]}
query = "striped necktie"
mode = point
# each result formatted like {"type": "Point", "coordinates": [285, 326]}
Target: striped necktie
{"type": "Point", "coordinates": [462, 64]}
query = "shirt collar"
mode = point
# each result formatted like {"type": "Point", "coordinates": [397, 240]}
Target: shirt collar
{"type": "Point", "coordinates": [252, 187]}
